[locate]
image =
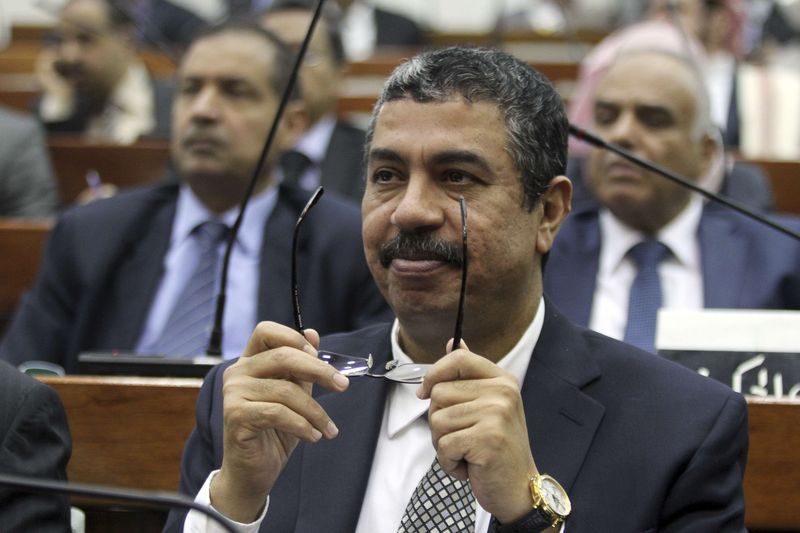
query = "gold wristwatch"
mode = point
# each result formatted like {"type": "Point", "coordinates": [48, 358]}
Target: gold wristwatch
{"type": "Point", "coordinates": [550, 499]}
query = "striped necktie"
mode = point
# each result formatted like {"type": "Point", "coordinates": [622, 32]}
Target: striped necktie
{"type": "Point", "coordinates": [188, 327]}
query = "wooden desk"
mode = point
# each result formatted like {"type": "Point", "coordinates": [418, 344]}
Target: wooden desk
{"type": "Point", "coordinates": [772, 478]}
{"type": "Point", "coordinates": [21, 245]}
{"type": "Point", "coordinates": [785, 179]}
{"type": "Point", "coordinates": [126, 432]}
{"type": "Point", "coordinates": [125, 166]}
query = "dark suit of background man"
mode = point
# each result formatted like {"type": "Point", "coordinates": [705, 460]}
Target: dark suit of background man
{"type": "Point", "coordinates": [637, 442]}
{"type": "Point", "coordinates": [331, 151]}
{"type": "Point", "coordinates": [34, 442]}
{"type": "Point", "coordinates": [27, 185]}
{"type": "Point", "coordinates": [113, 271]}
{"type": "Point", "coordinates": [652, 103]}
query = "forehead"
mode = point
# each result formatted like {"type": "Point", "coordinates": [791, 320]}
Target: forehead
{"type": "Point", "coordinates": [230, 55]}
{"type": "Point", "coordinates": [85, 14]}
{"type": "Point", "coordinates": [651, 79]}
{"type": "Point", "coordinates": [410, 127]}
{"type": "Point", "coordinates": [291, 26]}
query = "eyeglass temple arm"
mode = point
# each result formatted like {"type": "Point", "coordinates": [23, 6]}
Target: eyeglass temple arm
{"type": "Point", "coordinates": [298, 318]}
{"type": "Point", "coordinates": [463, 293]}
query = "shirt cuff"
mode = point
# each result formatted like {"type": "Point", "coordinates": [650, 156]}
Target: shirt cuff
{"type": "Point", "coordinates": [197, 522]}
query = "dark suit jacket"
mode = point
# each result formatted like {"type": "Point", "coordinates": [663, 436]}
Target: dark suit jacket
{"type": "Point", "coordinates": [639, 443]}
{"type": "Point", "coordinates": [342, 169]}
{"type": "Point", "coordinates": [34, 442]}
{"type": "Point", "coordinates": [395, 30]}
{"type": "Point", "coordinates": [745, 265]}
{"type": "Point", "coordinates": [103, 263]}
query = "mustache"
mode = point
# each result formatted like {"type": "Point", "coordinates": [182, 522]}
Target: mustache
{"type": "Point", "coordinates": [420, 246]}
{"type": "Point", "coordinates": [201, 133]}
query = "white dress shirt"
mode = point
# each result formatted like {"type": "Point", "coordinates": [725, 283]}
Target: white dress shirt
{"type": "Point", "coordinates": [314, 145]}
{"type": "Point", "coordinates": [681, 274]}
{"type": "Point", "coordinates": [404, 451]}
{"type": "Point", "coordinates": [180, 261]}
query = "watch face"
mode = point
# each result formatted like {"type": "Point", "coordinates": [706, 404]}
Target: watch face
{"type": "Point", "coordinates": [554, 496]}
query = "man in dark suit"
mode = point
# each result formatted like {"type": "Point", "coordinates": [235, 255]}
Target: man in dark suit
{"type": "Point", "coordinates": [635, 442]}
{"type": "Point", "coordinates": [331, 151]}
{"type": "Point", "coordinates": [34, 442]}
{"type": "Point", "coordinates": [652, 104]}
{"type": "Point", "coordinates": [27, 185]}
{"type": "Point", "coordinates": [92, 82]}
{"type": "Point", "coordinates": [115, 273]}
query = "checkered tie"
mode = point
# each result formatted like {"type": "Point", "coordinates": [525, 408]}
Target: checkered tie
{"type": "Point", "coordinates": [188, 328]}
{"type": "Point", "coordinates": [645, 296]}
{"type": "Point", "coordinates": [440, 503]}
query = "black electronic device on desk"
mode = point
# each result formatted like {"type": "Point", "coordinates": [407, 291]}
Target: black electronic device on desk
{"type": "Point", "coordinates": [130, 364]}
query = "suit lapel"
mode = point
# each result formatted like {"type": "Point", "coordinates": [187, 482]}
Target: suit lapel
{"type": "Point", "coordinates": [274, 297]}
{"type": "Point", "coordinates": [562, 419]}
{"type": "Point", "coordinates": [723, 261]}
{"type": "Point", "coordinates": [134, 278]}
{"type": "Point", "coordinates": [571, 272]}
{"type": "Point", "coordinates": [334, 474]}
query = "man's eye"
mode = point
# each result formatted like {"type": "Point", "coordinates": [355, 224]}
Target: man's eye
{"type": "Point", "coordinates": [383, 175]}
{"type": "Point", "coordinates": [604, 116]}
{"type": "Point", "coordinates": [456, 176]}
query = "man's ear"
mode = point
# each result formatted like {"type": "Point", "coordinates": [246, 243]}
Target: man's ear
{"type": "Point", "coordinates": [294, 123]}
{"type": "Point", "coordinates": [556, 203]}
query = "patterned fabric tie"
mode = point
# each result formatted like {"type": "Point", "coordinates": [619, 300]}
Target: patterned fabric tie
{"type": "Point", "coordinates": [645, 295]}
{"type": "Point", "coordinates": [440, 503]}
{"type": "Point", "coordinates": [188, 327]}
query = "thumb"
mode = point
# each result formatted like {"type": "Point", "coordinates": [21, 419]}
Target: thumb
{"type": "Point", "coordinates": [461, 346]}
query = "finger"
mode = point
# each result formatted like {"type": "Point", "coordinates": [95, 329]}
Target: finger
{"type": "Point", "coordinates": [461, 345]}
{"type": "Point", "coordinates": [455, 366]}
{"type": "Point", "coordinates": [283, 405]}
{"type": "Point", "coordinates": [269, 335]}
{"type": "Point", "coordinates": [312, 336]}
{"type": "Point", "coordinates": [290, 364]}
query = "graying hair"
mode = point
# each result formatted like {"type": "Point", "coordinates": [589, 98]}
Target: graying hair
{"type": "Point", "coordinates": [535, 119]}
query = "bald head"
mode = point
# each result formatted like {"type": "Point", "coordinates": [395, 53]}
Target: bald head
{"type": "Point", "coordinates": [652, 103]}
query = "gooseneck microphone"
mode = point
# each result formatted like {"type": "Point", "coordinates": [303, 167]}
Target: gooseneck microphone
{"type": "Point", "coordinates": [596, 141]}
{"type": "Point", "coordinates": [215, 342]}
{"type": "Point", "coordinates": [160, 500]}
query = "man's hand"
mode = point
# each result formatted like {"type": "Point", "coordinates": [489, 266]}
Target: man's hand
{"type": "Point", "coordinates": [268, 409]}
{"type": "Point", "coordinates": [479, 431]}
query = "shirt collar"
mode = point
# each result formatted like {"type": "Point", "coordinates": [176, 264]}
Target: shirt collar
{"type": "Point", "coordinates": [404, 406]}
{"type": "Point", "coordinates": [190, 212]}
{"type": "Point", "coordinates": [314, 142]}
{"type": "Point", "coordinates": [679, 235]}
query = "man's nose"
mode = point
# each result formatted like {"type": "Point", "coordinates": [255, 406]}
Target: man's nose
{"type": "Point", "coordinates": [623, 131]}
{"type": "Point", "coordinates": [205, 105]}
{"type": "Point", "coordinates": [420, 207]}
{"type": "Point", "coordinates": [70, 51]}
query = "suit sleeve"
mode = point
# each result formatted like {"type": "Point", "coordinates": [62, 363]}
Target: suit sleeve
{"type": "Point", "coordinates": [708, 495]}
{"type": "Point", "coordinates": [199, 455]}
{"type": "Point", "coordinates": [43, 323]}
{"type": "Point", "coordinates": [29, 186]}
{"type": "Point", "coordinates": [37, 444]}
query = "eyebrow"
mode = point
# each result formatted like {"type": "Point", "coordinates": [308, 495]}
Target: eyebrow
{"type": "Point", "coordinates": [441, 158]}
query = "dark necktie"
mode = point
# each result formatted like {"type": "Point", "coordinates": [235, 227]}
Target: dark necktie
{"type": "Point", "coordinates": [294, 164]}
{"type": "Point", "coordinates": [645, 296]}
{"type": "Point", "coordinates": [188, 327]}
{"type": "Point", "coordinates": [440, 503]}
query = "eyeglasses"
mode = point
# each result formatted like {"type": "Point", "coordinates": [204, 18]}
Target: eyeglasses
{"type": "Point", "coordinates": [351, 365]}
